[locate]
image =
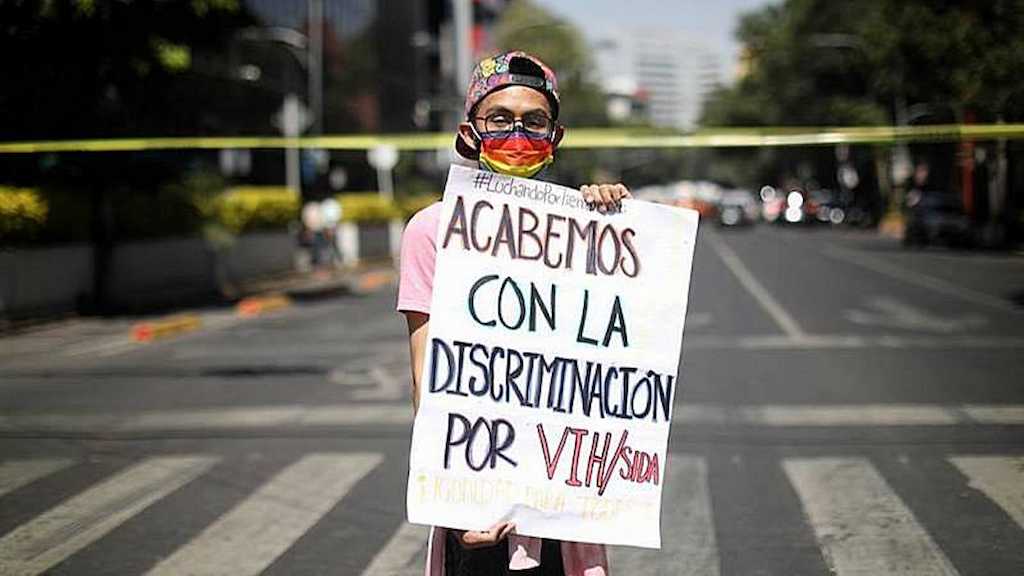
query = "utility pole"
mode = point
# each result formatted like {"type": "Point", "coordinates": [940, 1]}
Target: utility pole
{"type": "Point", "coordinates": [315, 64]}
{"type": "Point", "coordinates": [463, 12]}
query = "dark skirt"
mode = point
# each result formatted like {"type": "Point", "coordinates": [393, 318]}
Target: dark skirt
{"type": "Point", "coordinates": [493, 560]}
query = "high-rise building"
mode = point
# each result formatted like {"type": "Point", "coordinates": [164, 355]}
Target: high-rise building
{"type": "Point", "coordinates": [674, 74]}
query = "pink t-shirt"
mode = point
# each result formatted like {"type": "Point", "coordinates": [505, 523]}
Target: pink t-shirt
{"type": "Point", "coordinates": [415, 288]}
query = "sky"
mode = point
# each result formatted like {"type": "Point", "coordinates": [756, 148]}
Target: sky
{"type": "Point", "coordinates": [711, 22]}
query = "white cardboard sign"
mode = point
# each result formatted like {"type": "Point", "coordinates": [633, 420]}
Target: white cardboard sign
{"type": "Point", "coordinates": [551, 363]}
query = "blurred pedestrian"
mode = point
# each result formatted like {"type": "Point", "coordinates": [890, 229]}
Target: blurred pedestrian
{"type": "Point", "coordinates": [511, 127]}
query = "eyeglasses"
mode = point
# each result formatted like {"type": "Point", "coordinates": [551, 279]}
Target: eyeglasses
{"type": "Point", "coordinates": [503, 124]}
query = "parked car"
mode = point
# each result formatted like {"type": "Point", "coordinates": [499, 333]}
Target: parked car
{"type": "Point", "coordinates": [936, 218]}
{"type": "Point", "coordinates": [737, 208]}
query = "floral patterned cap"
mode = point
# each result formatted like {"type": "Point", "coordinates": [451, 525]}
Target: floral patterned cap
{"type": "Point", "coordinates": [514, 68]}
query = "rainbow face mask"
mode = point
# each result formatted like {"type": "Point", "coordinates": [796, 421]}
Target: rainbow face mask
{"type": "Point", "coordinates": [515, 153]}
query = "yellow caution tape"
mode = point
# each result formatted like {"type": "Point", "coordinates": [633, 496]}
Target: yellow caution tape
{"type": "Point", "coordinates": [575, 138]}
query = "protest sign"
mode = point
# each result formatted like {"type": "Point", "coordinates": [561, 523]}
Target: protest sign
{"type": "Point", "coordinates": [551, 362]}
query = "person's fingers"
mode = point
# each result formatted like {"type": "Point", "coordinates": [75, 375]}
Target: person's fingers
{"type": "Point", "coordinates": [623, 191]}
{"type": "Point", "coordinates": [588, 195]}
{"type": "Point", "coordinates": [482, 538]}
{"type": "Point", "coordinates": [474, 538]}
{"type": "Point", "coordinates": [608, 194]}
{"type": "Point", "coordinates": [507, 529]}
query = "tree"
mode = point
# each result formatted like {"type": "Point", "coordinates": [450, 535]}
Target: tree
{"type": "Point", "coordinates": [871, 62]}
{"type": "Point", "coordinates": [526, 26]}
{"type": "Point", "coordinates": [82, 68]}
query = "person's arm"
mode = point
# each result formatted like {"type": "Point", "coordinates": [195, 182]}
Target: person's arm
{"type": "Point", "coordinates": [418, 323]}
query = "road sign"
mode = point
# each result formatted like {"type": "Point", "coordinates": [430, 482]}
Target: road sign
{"type": "Point", "coordinates": [293, 118]}
{"type": "Point", "coordinates": [383, 157]}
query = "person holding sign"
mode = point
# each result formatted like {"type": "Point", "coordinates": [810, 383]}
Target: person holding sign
{"type": "Point", "coordinates": [511, 128]}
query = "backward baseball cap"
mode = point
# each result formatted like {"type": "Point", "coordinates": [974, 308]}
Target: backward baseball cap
{"type": "Point", "coordinates": [513, 68]}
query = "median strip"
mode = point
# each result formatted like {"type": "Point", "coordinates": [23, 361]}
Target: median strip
{"type": "Point", "coordinates": [256, 305]}
{"type": "Point", "coordinates": [151, 330]}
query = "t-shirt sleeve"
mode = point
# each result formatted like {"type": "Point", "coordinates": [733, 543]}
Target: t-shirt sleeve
{"type": "Point", "coordinates": [416, 261]}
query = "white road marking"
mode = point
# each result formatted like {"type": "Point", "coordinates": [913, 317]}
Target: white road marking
{"type": "Point", "coordinates": [17, 473]}
{"type": "Point", "coordinates": [999, 478]}
{"type": "Point", "coordinates": [1006, 414]}
{"type": "Point", "coordinates": [387, 387]}
{"type": "Point", "coordinates": [918, 279]}
{"type": "Point", "coordinates": [688, 544]}
{"type": "Point", "coordinates": [248, 538]}
{"type": "Point", "coordinates": [847, 415]}
{"type": "Point", "coordinates": [301, 417]}
{"type": "Point", "coordinates": [861, 524]}
{"type": "Point", "coordinates": [884, 311]}
{"type": "Point", "coordinates": [784, 319]}
{"type": "Point", "coordinates": [35, 546]}
{"type": "Point", "coordinates": [403, 555]}
{"type": "Point", "coordinates": [698, 320]}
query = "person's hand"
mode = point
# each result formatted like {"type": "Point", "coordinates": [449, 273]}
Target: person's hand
{"type": "Point", "coordinates": [473, 539]}
{"type": "Point", "coordinates": [605, 197]}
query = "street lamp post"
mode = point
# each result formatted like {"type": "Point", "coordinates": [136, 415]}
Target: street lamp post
{"type": "Point", "coordinates": [292, 117]}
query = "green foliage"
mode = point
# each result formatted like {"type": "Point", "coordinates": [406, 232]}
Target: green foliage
{"type": "Point", "coordinates": [526, 26]}
{"type": "Point", "coordinates": [410, 205]}
{"type": "Point", "coordinates": [252, 208]}
{"type": "Point", "coordinates": [132, 66]}
{"type": "Point", "coordinates": [367, 207]}
{"type": "Point", "coordinates": [822, 62]}
{"type": "Point", "coordinates": [23, 214]}
{"type": "Point", "coordinates": [371, 207]}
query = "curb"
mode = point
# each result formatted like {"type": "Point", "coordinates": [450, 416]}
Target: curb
{"type": "Point", "coordinates": [166, 327]}
{"type": "Point", "coordinates": [374, 280]}
{"type": "Point", "coordinates": [256, 305]}
{"type": "Point", "coordinates": [252, 306]}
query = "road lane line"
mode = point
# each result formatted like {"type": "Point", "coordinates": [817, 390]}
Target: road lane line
{"type": "Point", "coordinates": [403, 555]}
{"type": "Point", "coordinates": [784, 319]}
{"type": "Point", "coordinates": [861, 524]}
{"type": "Point", "coordinates": [17, 473]}
{"type": "Point", "coordinates": [249, 537]}
{"type": "Point", "coordinates": [918, 279]}
{"type": "Point", "coordinates": [1000, 478]}
{"type": "Point", "coordinates": [36, 546]}
{"type": "Point", "coordinates": [689, 545]}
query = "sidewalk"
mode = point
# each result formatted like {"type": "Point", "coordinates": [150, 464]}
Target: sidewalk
{"type": "Point", "coordinates": [78, 337]}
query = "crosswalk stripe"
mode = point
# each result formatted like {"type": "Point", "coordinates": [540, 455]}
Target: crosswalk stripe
{"type": "Point", "coordinates": [1006, 415]}
{"type": "Point", "coordinates": [688, 544]}
{"type": "Point", "coordinates": [999, 478]}
{"type": "Point", "coordinates": [17, 473]}
{"type": "Point", "coordinates": [861, 525]}
{"type": "Point", "coordinates": [36, 546]}
{"type": "Point", "coordinates": [248, 538]}
{"type": "Point", "coordinates": [403, 555]}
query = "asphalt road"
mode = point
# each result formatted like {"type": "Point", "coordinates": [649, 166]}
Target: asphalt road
{"type": "Point", "coordinates": [847, 407]}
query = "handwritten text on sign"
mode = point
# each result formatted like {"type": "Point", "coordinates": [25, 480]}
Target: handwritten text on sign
{"type": "Point", "coordinates": [555, 335]}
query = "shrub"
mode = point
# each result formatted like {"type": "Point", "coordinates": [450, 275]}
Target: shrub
{"type": "Point", "coordinates": [413, 204]}
{"type": "Point", "coordinates": [250, 208]}
{"type": "Point", "coordinates": [371, 207]}
{"type": "Point", "coordinates": [367, 207]}
{"type": "Point", "coordinates": [23, 213]}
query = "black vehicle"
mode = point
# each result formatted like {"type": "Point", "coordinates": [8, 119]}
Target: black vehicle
{"type": "Point", "coordinates": [936, 218]}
